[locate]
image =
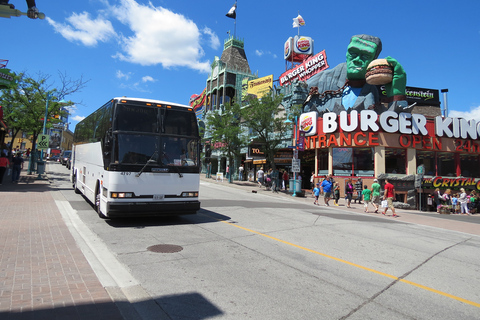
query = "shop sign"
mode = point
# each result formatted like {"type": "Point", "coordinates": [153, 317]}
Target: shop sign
{"type": "Point", "coordinates": [421, 96]}
{"type": "Point", "coordinates": [287, 48]}
{"type": "Point", "coordinates": [255, 151]}
{"type": "Point", "coordinates": [260, 87]}
{"type": "Point", "coordinates": [452, 183]}
{"type": "Point", "coordinates": [405, 123]}
{"type": "Point", "coordinates": [303, 45]}
{"type": "Point", "coordinates": [301, 141]}
{"type": "Point", "coordinates": [306, 69]}
{"type": "Point", "coordinates": [308, 123]}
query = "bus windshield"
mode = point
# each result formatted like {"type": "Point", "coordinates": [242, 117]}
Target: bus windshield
{"type": "Point", "coordinates": [137, 149]}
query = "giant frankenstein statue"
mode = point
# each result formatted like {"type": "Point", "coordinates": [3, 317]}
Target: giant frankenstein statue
{"type": "Point", "coordinates": [344, 87]}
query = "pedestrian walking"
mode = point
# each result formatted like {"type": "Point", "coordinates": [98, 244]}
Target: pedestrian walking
{"type": "Point", "coordinates": [274, 176]}
{"type": "Point", "coordinates": [366, 194]}
{"type": "Point", "coordinates": [336, 193]}
{"type": "Point", "coordinates": [4, 164]}
{"type": "Point", "coordinates": [316, 193]}
{"type": "Point", "coordinates": [327, 190]}
{"type": "Point", "coordinates": [447, 198]}
{"type": "Point", "coordinates": [312, 180]}
{"type": "Point", "coordinates": [349, 188]}
{"type": "Point", "coordinates": [376, 194]}
{"type": "Point", "coordinates": [260, 177]}
{"type": "Point", "coordinates": [389, 195]}
{"type": "Point", "coordinates": [437, 197]}
{"type": "Point", "coordinates": [286, 178]}
{"type": "Point", "coordinates": [463, 200]}
{"type": "Point", "coordinates": [359, 190]}
{"type": "Point", "coordinates": [240, 173]}
{"type": "Point", "coordinates": [17, 167]}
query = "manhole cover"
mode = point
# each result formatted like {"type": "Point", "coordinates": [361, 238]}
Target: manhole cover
{"type": "Point", "coordinates": [165, 248]}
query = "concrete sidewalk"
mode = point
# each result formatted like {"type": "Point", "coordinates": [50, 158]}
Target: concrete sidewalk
{"type": "Point", "coordinates": [43, 273]}
{"type": "Point", "coordinates": [462, 223]}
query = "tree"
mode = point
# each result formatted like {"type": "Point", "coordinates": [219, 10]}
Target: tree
{"type": "Point", "coordinates": [266, 120]}
{"type": "Point", "coordinates": [225, 130]}
{"type": "Point", "coordinates": [25, 103]}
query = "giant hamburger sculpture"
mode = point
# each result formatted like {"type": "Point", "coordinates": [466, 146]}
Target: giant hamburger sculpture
{"type": "Point", "coordinates": [379, 72]}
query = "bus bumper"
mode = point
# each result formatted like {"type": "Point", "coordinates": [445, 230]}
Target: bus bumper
{"type": "Point", "coordinates": [133, 209]}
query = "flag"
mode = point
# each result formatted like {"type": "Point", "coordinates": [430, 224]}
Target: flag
{"type": "Point", "coordinates": [298, 21]}
{"type": "Point", "coordinates": [232, 13]}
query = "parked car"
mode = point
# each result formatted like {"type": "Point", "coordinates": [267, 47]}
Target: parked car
{"type": "Point", "coordinates": [65, 157]}
{"type": "Point", "coordinates": [54, 157]}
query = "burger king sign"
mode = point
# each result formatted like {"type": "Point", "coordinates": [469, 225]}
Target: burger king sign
{"type": "Point", "coordinates": [303, 45]}
{"type": "Point", "coordinates": [308, 123]}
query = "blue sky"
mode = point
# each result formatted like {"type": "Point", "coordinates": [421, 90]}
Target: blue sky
{"type": "Point", "coordinates": [163, 49]}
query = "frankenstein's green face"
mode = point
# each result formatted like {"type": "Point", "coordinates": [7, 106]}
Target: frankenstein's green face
{"type": "Point", "coordinates": [359, 54]}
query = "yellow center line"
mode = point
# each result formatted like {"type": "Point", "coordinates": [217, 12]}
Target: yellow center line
{"type": "Point", "coordinates": [472, 303]}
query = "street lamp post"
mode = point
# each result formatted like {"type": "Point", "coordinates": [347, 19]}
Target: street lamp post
{"type": "Point", "coordinates": [288, 121]}
{"type": "Point", "coordinates": [41, 163]}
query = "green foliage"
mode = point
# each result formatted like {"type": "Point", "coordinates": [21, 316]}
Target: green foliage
{"type": "Point", "coordinates": [266, 120]}
{"type": "Point", "coordinates": [225, 131]}
{"type": "Point", "coordinates": [25, 103]}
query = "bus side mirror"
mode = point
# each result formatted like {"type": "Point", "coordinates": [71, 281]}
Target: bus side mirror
{"type": "Point", "coordinates": [108, 140]}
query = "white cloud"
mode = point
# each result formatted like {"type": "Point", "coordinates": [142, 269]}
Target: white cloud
{"type": "Point", "coordinates": [261, 53]}
{"type": "Point", "coordinates": [474, 113]}
{"type": "Point", "coordinates": [156, 35]}
{"type": "Point", "coordinates": [148, 79]}
{"type": "Point", "coordinates": [80, 27]}
{"type": "Point", "coordinates": [159, 36]}
{"type": "Point", "coordinates": [214, 41]}
{"type": "Point", "coordinates": [77, 118]}
{"type": "Point", "coordinates": [121, 75]}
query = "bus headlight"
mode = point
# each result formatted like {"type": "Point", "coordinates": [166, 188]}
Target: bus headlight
{"type": "Point", "coordinates": [121, 194]}
{"type": "Point", "coordinates": [189, 194]}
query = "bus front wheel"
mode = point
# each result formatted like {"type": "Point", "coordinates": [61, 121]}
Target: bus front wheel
{"type": "Point", "coordinates": [97, 203]}
{"type": "Point", "coordinates": [74, 184]}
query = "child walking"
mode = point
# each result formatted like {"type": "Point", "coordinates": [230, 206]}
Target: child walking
{"type": "Point", "coordinates": [316, 193]}
{"type": "Point", "coordinates": [367, 194]}
{"type": "Point", "coordinates": [455, 203]}
{"type": "Point", "coordinates": [336, 193]}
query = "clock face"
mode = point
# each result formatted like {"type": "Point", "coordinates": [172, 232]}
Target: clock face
{"type": "Point", "coordinates": [215, 71]}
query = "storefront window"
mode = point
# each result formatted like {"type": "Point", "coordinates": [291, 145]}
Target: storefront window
{"type": "Point", "coordinates": [342, 161]}
{"type": "Point", "coordinates": [446, 164]}
{"type": "Point", "coordinates": [363, 161]}
{"type": "Point", "coordinates": [469, 165]}
{"type": "Point", "coordinates": [427, 158]}
{"type": "Point", "coordinates": [322, 157]}
{"type": "Point", "coordinates": [395, 160]}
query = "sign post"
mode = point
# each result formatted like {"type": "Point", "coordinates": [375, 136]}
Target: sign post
{"type": "Point", "coordinates": [418, 183]}
{"type": "Point", "coordinates": [43, 141]}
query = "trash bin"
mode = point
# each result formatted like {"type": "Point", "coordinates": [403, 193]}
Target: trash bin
{"type": "Point", "coordinates": [40, 167]}
{"type": "Point", "coordinates": [298, 185]}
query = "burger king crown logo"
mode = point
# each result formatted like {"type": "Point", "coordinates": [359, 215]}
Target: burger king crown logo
{"type": "Point", "coordinates": [306, 125]}
{"type": "Point", "coordinates": [287, 47]}
{"type": "Point", "coordinates": [303, 44]}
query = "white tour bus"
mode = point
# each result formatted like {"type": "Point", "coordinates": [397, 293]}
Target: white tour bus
{"type": "Point", "coordinates": [137, 157]}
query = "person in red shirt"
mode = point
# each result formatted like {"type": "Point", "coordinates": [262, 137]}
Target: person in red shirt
{"type": "Point", "coordinates": [4, 164]}
{"type": "Point", "coordinates": [389, 195]}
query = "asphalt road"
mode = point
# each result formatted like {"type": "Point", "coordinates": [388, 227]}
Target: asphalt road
{"type": "Point", "coordinates": [258, 256]}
